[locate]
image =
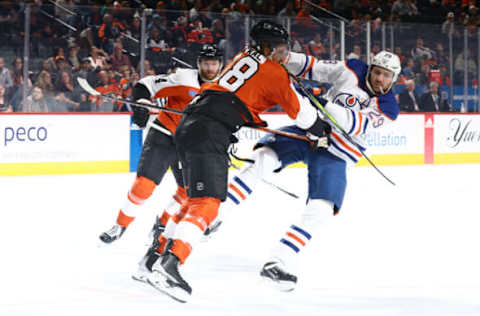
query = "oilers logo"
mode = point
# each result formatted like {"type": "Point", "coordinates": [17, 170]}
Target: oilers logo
{"type": "Point", "coordinates": [349, 100]}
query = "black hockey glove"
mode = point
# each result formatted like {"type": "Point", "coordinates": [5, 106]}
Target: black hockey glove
{"type": "Point", "coordinates": [319, 133]}
{"type": "Point", "coordinates": [140, 116]}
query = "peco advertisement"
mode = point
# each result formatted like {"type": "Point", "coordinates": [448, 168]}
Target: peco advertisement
{"type": "Point", "coordinates": [36, 144]}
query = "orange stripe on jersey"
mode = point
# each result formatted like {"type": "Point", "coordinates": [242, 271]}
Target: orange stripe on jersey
{"type": "Point", "coordinates": [234, 188]}
{"type": "Point", "coordinates": [360, 116]}
{"type": "Point", "coordinates": [296, 238]}
{"type": "Point", "coordinates": [312, 60]}
{"type": "Point", "coordinates": [345, 144]}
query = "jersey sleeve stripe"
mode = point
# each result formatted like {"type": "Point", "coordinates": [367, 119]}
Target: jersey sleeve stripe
{"type": "Point", "coordinates": [310, 67]}
{"type": "Point", "coordinates": [360, 119]}
{"type": "Point", "coordinates": [338, 139]}
{"type": "Point", "coordinates": [353, 121]}
{"type": "Point", "coordinates": [304, 66]}
{"type": "Point", "coordinates": [365, 125]}
{"type": "Point", "coordinates": [334, 145]}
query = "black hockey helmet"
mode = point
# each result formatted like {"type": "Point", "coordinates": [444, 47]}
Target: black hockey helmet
{"type": "Point", "coordinates": [268, 33]}
{"type": "Point", "coordinates": [209, 52]}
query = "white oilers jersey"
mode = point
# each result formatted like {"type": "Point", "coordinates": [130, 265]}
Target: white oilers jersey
{"type": "Point", "coordinates": [353, 107]}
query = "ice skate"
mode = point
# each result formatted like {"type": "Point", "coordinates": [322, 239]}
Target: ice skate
{"type": "Point", "coordinates": [166, 278]}
{"type": "Point", "coordinates": [157, 229]}
{"type": "Point", "coordinates": [274, 273]}
{"type": "Point", "coordinates": [145, 266]}
{"type": "Point", "coordinates": [112, 234]}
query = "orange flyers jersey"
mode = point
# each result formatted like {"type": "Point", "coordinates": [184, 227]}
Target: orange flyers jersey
{"type": "Point", "coordinates": [261, 84]}
{"type": "Point", "coordinates": [179, 88]}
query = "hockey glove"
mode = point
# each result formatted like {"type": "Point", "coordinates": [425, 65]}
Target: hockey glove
{"type": "Point", "coordinates": [140, 115]}
{"type": "Point", "coordinates": [319, 133]}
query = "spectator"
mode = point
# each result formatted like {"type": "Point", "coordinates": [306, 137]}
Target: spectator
{"type": "Point", "coordinates": [4, 104]}
{"type": "Point", "coordinates": [404, 8]}
{"type": "Point", "coordinates": [444, 75]}
{"type": "Point", "coordinates": [399, 53]}
{"type": "Point", "coordinates": [441, 55]}
{"type": "Point", "coordinates": [423, 78]}
{"type": "Point", "coordinates": [432, 101]}
{"type": "Point", "coordinates": [118, 58]}
{"type": "Point", "coordinates": [315, 47]}
{"type": "Point", "coordinates": [356, 53]}
{"type": "Point", "coordinates": [66, 93]}
{"type": "Point", "coordinates": [180, 31]}
{"type": "Point", "coordinates": [85, 72]}
{"type": "Point", "coordinates": [420, 52]}
{"type": "Point", "coordinates": [97, 59]}
{"type": "Point", "coordinates": [108, 32]}
{"type": "Point", "coordinates": [5, 77]}
{"type": "Point", "coordinates": [409, 69]}
{"type": "Point", "coordinates": [35, 102]}
{"type": "Point", "coordinates": [72, 57]}
{"type": "Point", "coordinates": [106, 87]}
{"type": "Point", "coordinates": [44, 82]}
{"type": "Point", "coordinates": [375, 50]}
{"type": "Point", "coordinates": [287, 11]}
{"type": "Point", "coordinates": [156, 43]}
{"type": "Point", "coordinates": [218, 33]}
{"type": "Point", "coordinates": [408, 99]}
{"type": "Point", "coordinates": [449, 27]}
{"type": "Point", "coordinates": [199, 34]}
{"type": "Point", "coordinates": [460, 69]}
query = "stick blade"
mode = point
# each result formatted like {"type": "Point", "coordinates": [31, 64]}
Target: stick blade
{"type": "Point", "coordinates": [87, 87]}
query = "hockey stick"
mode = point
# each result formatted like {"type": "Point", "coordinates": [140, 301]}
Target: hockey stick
{"type": "Point", "coordinates": [332, 120]}
{"type": "Point", "coordinates": [88, 88]}
{"type": "Point", "coordinates": [267, 182]}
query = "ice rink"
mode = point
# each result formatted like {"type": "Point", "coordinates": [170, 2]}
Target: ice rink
{"type": "Point", "coordinates": [407, 250]}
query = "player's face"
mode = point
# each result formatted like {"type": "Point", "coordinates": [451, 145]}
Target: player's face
{"type": "Point", "coordinates": [209, 68]}
{"type": "Point", "coordinates": [279, 53]}
{"type": "Point", "coordinates": [380, 79]}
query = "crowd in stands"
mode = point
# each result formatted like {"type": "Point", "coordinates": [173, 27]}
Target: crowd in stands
{"type": "Point", "coordinates": [100, 41]}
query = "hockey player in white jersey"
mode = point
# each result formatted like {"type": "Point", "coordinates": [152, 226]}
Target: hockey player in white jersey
{"type": "Point", "coordinates": [360, 99]}
{"type": "Point", "coordinates": [159, 152]}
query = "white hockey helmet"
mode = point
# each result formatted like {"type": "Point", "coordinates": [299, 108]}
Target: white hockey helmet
{"type": "Point", "coordinates": [388, 61]}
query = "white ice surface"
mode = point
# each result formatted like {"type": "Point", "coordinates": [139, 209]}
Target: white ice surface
{"type": "Point", "coordinates": [412, 249]}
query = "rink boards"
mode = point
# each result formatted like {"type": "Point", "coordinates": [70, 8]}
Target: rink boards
{"type": "Point", "coordinates": [33, 144]}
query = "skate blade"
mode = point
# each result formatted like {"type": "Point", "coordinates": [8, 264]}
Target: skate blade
{"type": "Point", "coordinates": [140, 278]}
{"type": "Point", "coordinates": [160, 283]}
{"type": "Point", "coordinates": [282, 286]}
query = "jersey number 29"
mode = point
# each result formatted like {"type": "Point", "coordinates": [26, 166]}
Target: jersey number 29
{"type": "Point", "coordinates": [233, 79]}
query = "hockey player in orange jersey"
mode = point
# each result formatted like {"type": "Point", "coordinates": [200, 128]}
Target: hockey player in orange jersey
{"type": "Point", "coordinates": [253, 82]}
{"type": "Point", "coordinates": [159, 152]}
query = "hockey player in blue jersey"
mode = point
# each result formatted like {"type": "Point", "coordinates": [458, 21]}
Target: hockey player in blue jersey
{"type": "Point", "coordinates": [360, 99]}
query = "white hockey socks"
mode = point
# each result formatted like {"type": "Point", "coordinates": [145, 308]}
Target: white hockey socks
{"type": "Point", "coordinates": [296, 238]}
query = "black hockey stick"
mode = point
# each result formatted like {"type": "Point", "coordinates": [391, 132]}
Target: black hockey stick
{"type": "Point", "coordinates": [335, 124]}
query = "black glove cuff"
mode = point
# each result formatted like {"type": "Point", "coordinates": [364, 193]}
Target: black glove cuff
{"type": "Point", "coordinates": [319, 128]}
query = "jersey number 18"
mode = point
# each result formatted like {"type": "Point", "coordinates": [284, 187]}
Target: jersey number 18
{"type": "Point", "coordinates": [236, 77]}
